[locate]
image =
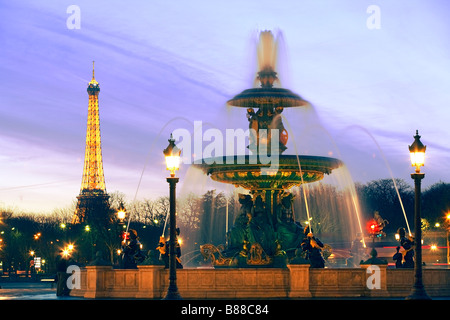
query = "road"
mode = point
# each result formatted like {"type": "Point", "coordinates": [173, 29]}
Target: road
{"type": "Point", "coordinates": [29, 291]}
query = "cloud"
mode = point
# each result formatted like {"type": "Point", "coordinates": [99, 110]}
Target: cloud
{"type": "Point", "coordinates": [159, 69]}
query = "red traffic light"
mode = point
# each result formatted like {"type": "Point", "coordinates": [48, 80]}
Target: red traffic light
{"type": "Point", "coordinates": [373, 227]}
{"type": "Point", "coordinates": [125, 236]}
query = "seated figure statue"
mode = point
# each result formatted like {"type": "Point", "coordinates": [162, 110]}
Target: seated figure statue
{"type": "Point", "coordinates": [259, 229]}
{"type": "Point", "coordinates": [238, 233]}
{"type": "Point", "coordinates": [290, 233]}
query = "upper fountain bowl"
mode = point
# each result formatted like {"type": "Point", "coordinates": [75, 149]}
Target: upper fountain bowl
{"type": "Point", "coordinates": [289, 171]}
{"type": "Point", "coordinates": [267, 95]}
{"type": "Point", "coordinates": [259, 97]}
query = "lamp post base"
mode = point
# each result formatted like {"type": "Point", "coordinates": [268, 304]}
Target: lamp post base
{"type": "Point", "coordinates": [172, 294]}
{"type": "Point", "coordinates": [418, 293]}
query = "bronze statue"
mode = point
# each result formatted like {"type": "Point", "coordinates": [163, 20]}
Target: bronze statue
{"type": "Point", "coordinates": [132, 254]}
{"type": "Point", "coordinates": [398, 257]}
{"type": "Point", "coordinates": [163, 251]}
{"type": "Point", "coordinates": [290, 233]}
{"type": "Point", "coordinates": [313, 247]}
{"type": "Point", "coordinates": [238, 233]}
{"type": "Point", "coordinates": [408, 245]}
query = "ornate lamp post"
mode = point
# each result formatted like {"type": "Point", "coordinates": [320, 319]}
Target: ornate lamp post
{"type": "Point", "coordinates": [172, 156]}
{"type": "Point", "coordinates": [121, 214]}
{"type": "Point", "coordinates": [417, 153]}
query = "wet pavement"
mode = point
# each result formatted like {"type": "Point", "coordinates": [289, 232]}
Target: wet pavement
{"type": "Point", "coordinates": [47, 291]}
{"type": "Point", "coordinates": [30, 291]}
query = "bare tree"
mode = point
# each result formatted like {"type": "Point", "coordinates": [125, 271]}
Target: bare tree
{"type": "Point", "coordinates": [189, 211]}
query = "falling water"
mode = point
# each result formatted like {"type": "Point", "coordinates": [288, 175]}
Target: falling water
{"type": "Point", "coordinates": [349, 184]}
{"type": "Point", "coordinates": [387, 166]}
{"type": "Point", "coordinates": [301, 173]}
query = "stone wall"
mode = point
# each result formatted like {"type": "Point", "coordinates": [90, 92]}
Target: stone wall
{"type": "Point", "coordinates": [297, 281]}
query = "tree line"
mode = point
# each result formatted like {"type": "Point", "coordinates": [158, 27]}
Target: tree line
{"type": "Point", "coordinates": [203, 219]}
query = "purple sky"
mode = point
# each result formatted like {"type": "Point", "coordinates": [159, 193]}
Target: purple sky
{"type": "Point", "coordinates": [157, 61]}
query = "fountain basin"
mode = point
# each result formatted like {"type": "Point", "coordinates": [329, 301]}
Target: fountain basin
{"type": "Point", "coordinates": [259, 97]}
{"type": "Point", "coordinates": [289, 171]}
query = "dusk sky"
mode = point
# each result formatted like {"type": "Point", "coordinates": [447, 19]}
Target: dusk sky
{"type": "Point", "coordinates": [372, 77]}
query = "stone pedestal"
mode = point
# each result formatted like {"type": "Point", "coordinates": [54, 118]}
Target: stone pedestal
{"type": "Point", "coordinates": [299, 281]}
{"type": "Point", "coordinates": [149, 281]}
{"type": "Point", "coordinates": [96, 281]}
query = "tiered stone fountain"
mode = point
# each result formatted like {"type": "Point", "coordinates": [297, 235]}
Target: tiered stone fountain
{"type": "Point", "coordinates": [265, 229]}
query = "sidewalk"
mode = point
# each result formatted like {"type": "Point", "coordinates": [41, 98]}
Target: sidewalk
{"type": "Point", "coordinates": [44, 291]}
{"type": "Point", "coordinates": [30, 291]}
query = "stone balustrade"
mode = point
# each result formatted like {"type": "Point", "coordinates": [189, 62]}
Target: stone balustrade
{"type": "Point", "coordinates": [296, 281]}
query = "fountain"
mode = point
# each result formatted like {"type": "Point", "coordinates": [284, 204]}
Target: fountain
{"type": "Point", "coordinates": [265, 233]}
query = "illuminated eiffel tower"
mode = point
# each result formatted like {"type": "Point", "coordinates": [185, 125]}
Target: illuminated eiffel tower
{"type": "Point", "coordinates": [93, 201]}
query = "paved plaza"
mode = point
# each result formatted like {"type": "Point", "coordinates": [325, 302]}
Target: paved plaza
{"type": "Point", "coordinates": [45, 291]}
{"type": "Point", "coordinates": [30, 291]}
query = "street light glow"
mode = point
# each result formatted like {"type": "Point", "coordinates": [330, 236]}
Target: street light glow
{"type": "Point", "coordinates": [121, 214]}
{"type": "Point", "coordinates": [417, 152]}
{"type": "Point", "coordinates": [172, 157]}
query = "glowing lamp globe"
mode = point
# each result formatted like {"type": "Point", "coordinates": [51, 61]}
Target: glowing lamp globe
{"type": "Point", "coordinates": [172, 156]}
{"type": "Point", "coordinates": [121, 214]}
{"type": "Point", "coordinates": [417, 152]}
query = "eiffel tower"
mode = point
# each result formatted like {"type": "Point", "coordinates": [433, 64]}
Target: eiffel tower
{"type": "Point", "coordinates": [93, 201]}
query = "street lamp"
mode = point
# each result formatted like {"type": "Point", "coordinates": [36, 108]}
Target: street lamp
{"type": "Point", "coordinates": [172, 157]}
{"type": "Point", "coordinates": [417, 153]}
{"type": "Point", "coordinates": [121, 214]}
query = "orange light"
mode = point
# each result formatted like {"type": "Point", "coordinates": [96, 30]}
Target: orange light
{"type": "Point", "coordinates": [172, 156]}
{"type": "Point", "coordinates": [121, 214]}
{"type": "Point", "coordinates": [417, 152]}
